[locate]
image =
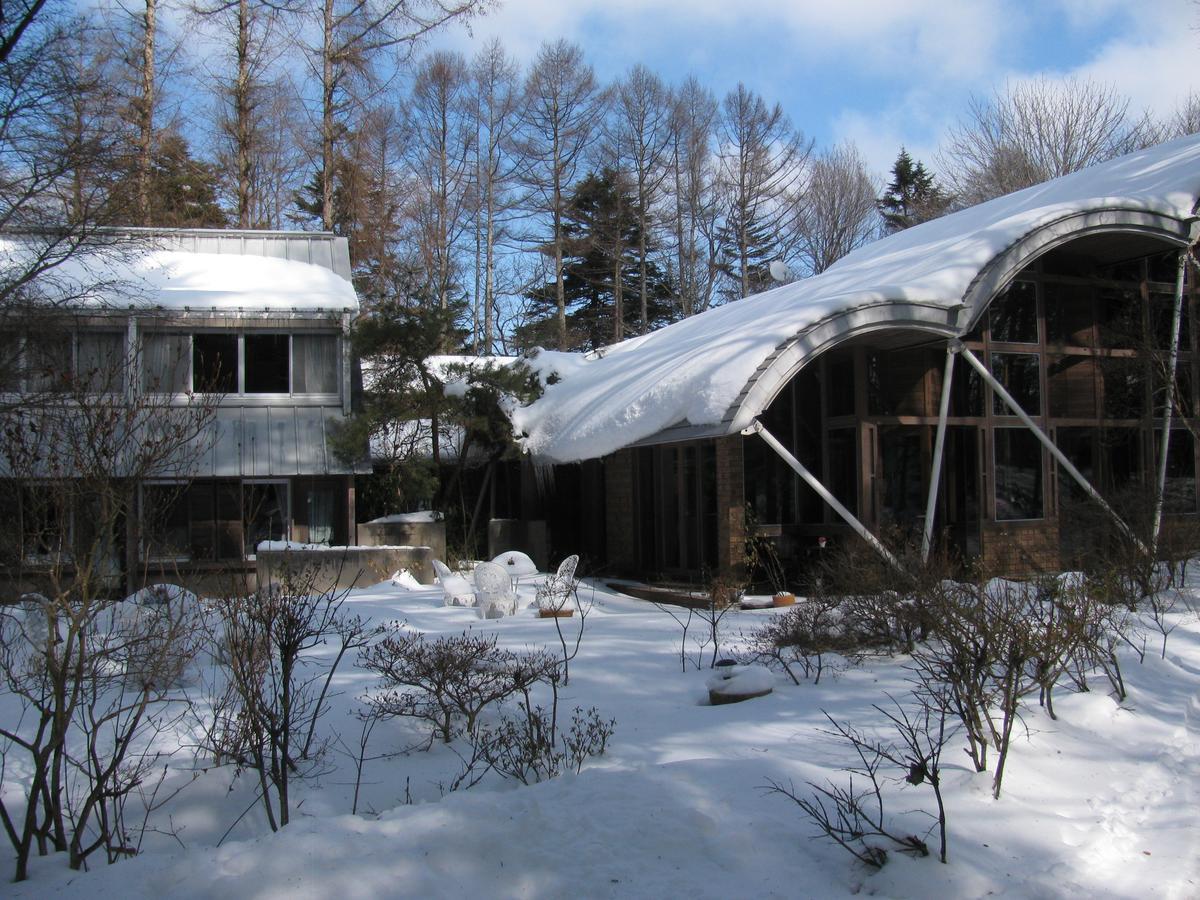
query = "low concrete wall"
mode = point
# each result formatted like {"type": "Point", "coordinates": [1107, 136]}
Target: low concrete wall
{"type": "Point", "coordinates": [405, 534]}
{"type": "Point", "coordinates": [347, 567]}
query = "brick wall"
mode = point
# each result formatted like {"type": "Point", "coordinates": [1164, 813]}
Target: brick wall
{"type": "Point", "coordinates": [731, 503]}
{"type": "Point", "coordinates": [1021, 548]}
{"type": "Point", "coordinates": [620, 512]}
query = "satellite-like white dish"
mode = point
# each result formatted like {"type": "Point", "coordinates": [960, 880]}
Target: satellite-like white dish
{"type": "Point", "coordinates": [780, 271]}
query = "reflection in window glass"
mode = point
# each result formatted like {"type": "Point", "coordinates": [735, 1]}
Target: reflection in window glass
{"type": "Point", "coordinates": [1068, 314]}
{"type": "Point", "coordinates": [214, 363]}
{"type": "Point", "coordinates": [265, 513]}
{"type": "Point", "coordinates": [1018, 372]}
{"type": "Point", "coordinates": [1071, 382]}
{"type": "Point", "coordinates": [1179, 490]}
{"type": "Point", "coordinates": [1124, 388]}
{"type": "Point", "coordinates": [1018, 457]}
{"type": "Point", "coordinates": [1013, 315]}
{"type": "Point", "coordinates": [840, 396]}
{"type": "Point", "coordinates": [165, 522]}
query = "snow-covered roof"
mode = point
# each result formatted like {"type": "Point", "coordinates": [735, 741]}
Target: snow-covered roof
{"type": "Point", "coordinates": [712, 373]}
{"type": "Point", "coordinates": [198, 270]}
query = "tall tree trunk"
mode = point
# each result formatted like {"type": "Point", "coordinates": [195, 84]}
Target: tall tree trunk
{"type": "Point", "coordinates": [145, 113]}
{"type": "Point", "coordinates": [327, 117]}
{"type": "Point", "coordinates": [242, 111]}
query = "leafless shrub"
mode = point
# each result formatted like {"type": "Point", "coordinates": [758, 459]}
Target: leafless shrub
{"type": "Point", "coordinates": [529, 747]}
{"type": "Point", "coordinates": [450, 679]}
{"type": "Point", "coordinates": [852, 815]}
{"type": "Point", "coordinates": [803, 638]}
{"type": "Point", "coordinates": [280, 683]}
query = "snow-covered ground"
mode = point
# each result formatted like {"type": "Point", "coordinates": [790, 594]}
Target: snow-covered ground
{"type": "Point", "coordinates": [1100, 803]}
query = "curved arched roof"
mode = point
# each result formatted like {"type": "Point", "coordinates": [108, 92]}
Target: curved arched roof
{"type": "Point", "coordinates": [712, 373]}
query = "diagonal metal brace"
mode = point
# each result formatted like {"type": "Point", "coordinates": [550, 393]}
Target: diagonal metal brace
{"type": "Point", "coordinates": [757, 427]}
{"type": "Point", "coordinates": [1059, 456]}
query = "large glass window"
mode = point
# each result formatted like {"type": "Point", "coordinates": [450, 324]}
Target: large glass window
{"type": "Point", "coordinates": [1018, 372]}
{"type": "Point", "coordinates": [1013, 315]}
{"type": "Point", "coordinates": [843, 466]}
{"type": "Point", "coordinates": [165, 532]}
{"type": "Point", "coordinates": [1068, 314]}
{"type": "Point", "coordinates": [47, 362]}
{"type": "Point", "coordinates": [1018, 463]}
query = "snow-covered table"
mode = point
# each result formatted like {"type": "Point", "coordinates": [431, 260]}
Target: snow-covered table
{"type": "Point", "coordinates": [517, 564]}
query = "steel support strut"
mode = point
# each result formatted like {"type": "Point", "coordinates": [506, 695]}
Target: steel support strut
{"type": "Point", "coordinates": [1058, 455]}
{"type": "Point", "coordinates": [939, 446]}
{"type": "Point", "coordinates": [815, 483]}
{"type": "Point", "coordinates": [1169, 401]}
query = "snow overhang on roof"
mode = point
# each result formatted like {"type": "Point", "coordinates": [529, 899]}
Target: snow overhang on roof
{"type": "Point", "coordinates": [222, 271]}
{"type": "Point", "coordinates": [711, 374]}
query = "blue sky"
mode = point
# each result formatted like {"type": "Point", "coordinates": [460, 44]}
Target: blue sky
{"type": "Point", "coordinates": [878, 72]}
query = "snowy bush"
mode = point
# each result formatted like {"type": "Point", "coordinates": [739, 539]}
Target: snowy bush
{"type": "Point", "coordinates": [450, 679]}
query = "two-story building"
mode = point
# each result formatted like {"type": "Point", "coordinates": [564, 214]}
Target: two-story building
{"type": "Point", "coordinates": [250, 325]}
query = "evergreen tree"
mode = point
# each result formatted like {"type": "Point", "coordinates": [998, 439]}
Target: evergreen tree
{"type": "Point", "coordinates": [747, 251]}
{"type": "Point", "coordinates": [182, 189]}
{"type": "Point", "coordinates": [912, 197]}
{"type": "Point", "coordinates": [601, 267]}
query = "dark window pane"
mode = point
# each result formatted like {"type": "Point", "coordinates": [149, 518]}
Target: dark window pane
{"type": "Point", "coordinates": [840, 396]}
{"type": "Point", "coordinates": [1068, 314]}
{"type": "Point", "coordinates": [1179, 490]}
{"type": "Point", "coordinates": [265, 511]}
{"type": "Point", "coordinates": [966, 391]}
{"type": "Point", "coordinates": [1071, 381]}
{"type": "Point", "coordinates": [1119, 312]}
{"type": "Point", "coordinates": [903, 474]}
{"type": "Point", "coordinates": [843, 466]}
{"type": "Point", "coordinates": [165, 521]}
{"type": "Point", "coordinates": [1124, 388]}
{"type": "Point", "coordinates": [1079, 446]}
{"type": "Point", "coordinates": [1164, 267]}
{"type": "Point", "coordinates": [1162, 314]}
{"type": "Point", "coordinates": [1018, 372]}
{"type": "Point", "coordinates": [267, 363]}
{"type": "Point", "coordinates": [214, 363]}
{"type": "Point", "coordinates": [1013, 315]}
{"type": "Point", "coordinates": [1120, 455]}
{"type": "Point", "coordinates": [1018, 457]}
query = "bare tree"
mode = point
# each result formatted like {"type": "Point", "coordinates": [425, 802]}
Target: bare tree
{"type": "Point", "coordinates": [89, 673]}
{"type": "Point", "coordinates": [693, 203]}
{"type": "Point", "coordinates": [762, 159]}
{"type": "Point", "coordinates": [497, 114]}
{"type": "Point", "coordinates": [1034, 131]}
{"type": "Point", "coordinates": [562, 103]}
{"type": "Point", "coordinates": [644, 113]}
{"type": "Point", "coordinates": [352, 34]}
{"type": "Point", "coordinates": [441, 157]}
{"type": "Point", "coordinates": [247, 91]}
{"type": "Point", "coordinates": [836, 210]}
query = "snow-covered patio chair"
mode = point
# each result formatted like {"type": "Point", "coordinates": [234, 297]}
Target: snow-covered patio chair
{"type": "Point", "coordinates": [457, 590]}
{"type": "Point", "coordinates": [558, 589]}
{"type": "Point", "coordinates": [493, 591]}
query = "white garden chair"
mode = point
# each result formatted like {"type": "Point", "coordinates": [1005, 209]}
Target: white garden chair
{"type": "Point", "coordinates": [456, 590]}
{"type": "Point", "coordinates": [493, 591]}
{"type": "Point", "coordinates": [559, 588]}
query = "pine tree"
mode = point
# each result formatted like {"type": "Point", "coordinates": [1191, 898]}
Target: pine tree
{"type": "Point", "coordinates": [912, 197]}
{"type": "Point", "coordinates": [601, 267]}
